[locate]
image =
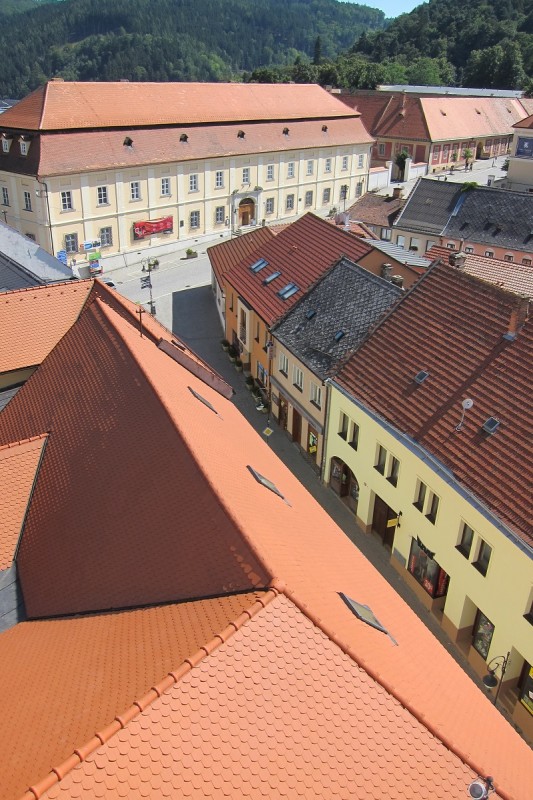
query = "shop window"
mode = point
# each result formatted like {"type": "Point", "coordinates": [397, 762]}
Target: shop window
{"type": "Point", "coordinates": [427, 572]}
{"type": "Point", "coordinates": [467, 537]}
{"type": "Point", "coordinates": [394, 469]}
{"type": "Point", "coordinates": [483, 558]}
{"type": "Point", "coordinates": [525, 687]}
{"type": "Point", "coordinates": [482, 633]}
{"type": "Point", "coordinates": [420, 497]}
{"type": "Point", "coordinates": [354, 436]}
{"type": "Point", "coordinates": [433, 508]}
{"type": "Point", "coordinates": [343, 426]}
{"type": "Point", "coordinates": [381, 458]}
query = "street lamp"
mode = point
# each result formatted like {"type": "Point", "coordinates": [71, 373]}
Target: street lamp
{"type": "Point", "coordinates": [490, 680]}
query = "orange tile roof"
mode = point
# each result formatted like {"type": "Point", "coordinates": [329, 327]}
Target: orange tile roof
{"type": "Point", "coordinates": [19, 463]}
{"type": "Point", "coordinates": [152, 496]}
{"type": "Point", "coordinates": [62, 680]}
{"type": "Point", "coordinates": [452, 325]}
{"type": "Point", "coordinates": [276, 711]}
{"type": "Point", "coordinates": [510, 275]}
{"type": "Point", "coordinates": [397, 116]}
{"type": "Point", "coordinates": [222, 256]}
{"type": "Point", "coordinates": [93, 150]}
{"type": "Point", "coordinates": [33, 321]}
{"type": "Point", "coordinates": [302, 252]}
{"type": "Point", "coordinates": [66, 105]}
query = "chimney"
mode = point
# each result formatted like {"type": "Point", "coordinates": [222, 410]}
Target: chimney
{"type": "Point", "coordinates": [397, 193]}
{"type": "Point", "coordinates": [386, 271]}
{"type": "Point", "coordinates": [519, 314]}
{"type": "Point", "coordinates": [397, 280]}
{"type": "Point", "coordinates": [458, 260]}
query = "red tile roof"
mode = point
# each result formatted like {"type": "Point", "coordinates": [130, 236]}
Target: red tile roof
{"type": "Point", "coordinates": [33, 321]}
{"type": "Point", "coordinates": [452, 325]}
{"type": "Point", "coordinates": [224, 255]}
{"type": "Point", "coordinates": [62, 680]}
{"type": "Point", "coordinates": [19, 463]}
{"type": "Point", "coordinates": [66, 105]}
{"type": "Point", "coordinates": [510, 275]}
{"type": "Point", "coordinates": [92, 150]}
{"type": "Point", "coordinates": [277, 711]}
{"type": "Point", "coordinates": [145, 492]}
{"type": "Point", "coordinates": [396, 116]}
{"type": "Point", "coordinates": [302, 252]}
{"type": "Point", "coordinates": [377, 209]}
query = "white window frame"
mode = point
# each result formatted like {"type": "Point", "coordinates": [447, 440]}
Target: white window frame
{"type": "Point", "coordinates": [283, 364]}
{"type": "Point", "coordinates": [193, 182]}
{"type": "Point", "coordinates": [27, 201]}
{"type": "Point", "coordinates": [310, 167]}
{"type": "Point", "coordinates": [135, 190]}
{"type": "Point", "coordinates": [315, 395]}
{"type": "Point", "coordinates": [246, 175]}
{"type": "Point", "coordinates": [326, 196]}
{"type": "Point", "coordinates": [71, 242]}
{"type": "Point", "coordinates": [5, 196]}
{"type": "Point", "coordinates": [290, 169]}
{"type": "Point", "coordinates": [270, 172]}
{"type": "Point", "coordinates": [298, 378]}
{"type": "Point", "coordinates": [290, 202]}
{"type": "Point", "coordinates": [381, 149]}
{"type": "Point", "coordinates": [361, 161]}
{"type": "Point", "coordinates": [308, 199]}
{"type": "Point", "coordinates": [269, 205]}
{"type": "Point", "coordinates": [194, 219]}
{"type": "Point", "coordinates": [106, 236]}
{"type": "Point", "coordinates": [219, 179]}
{"type": "Point", "coordinates": [102, 197]}
{"type": "Point", "coordinates": [344, 162]}
{"type": "Point", "coordinates": [6, 144]}
{"type": "Point", "coordinates": [66, 200]}
{"type": "Point", "coordinates": [327, 165]}
{"type": "Point", "coordinates": [24, 147]}
{"type": "Point", "coordinates": [220, 215]}
{"type": "Point", "coordinates": [165, 187]}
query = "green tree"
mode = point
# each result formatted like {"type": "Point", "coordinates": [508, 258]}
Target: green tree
{"type": "Point", "coordinates": [317, 56]}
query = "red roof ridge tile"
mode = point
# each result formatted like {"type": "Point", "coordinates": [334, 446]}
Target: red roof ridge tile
{"type": "Point", "coordinates": [80, 754]}
{"type": "Point", "coordinates": [23, 441]}
{"type": "Point", "coordinates": [43, 287]}
{"type": "Point", "coordinates": [434, 728]}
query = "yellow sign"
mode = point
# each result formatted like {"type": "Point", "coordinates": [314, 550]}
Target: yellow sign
{"type": "Point", "coordinates": [391, 523]}
{"type": "Point", "coordinates": [268, 431]}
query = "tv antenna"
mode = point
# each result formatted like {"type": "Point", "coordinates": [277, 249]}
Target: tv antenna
{"type": "Point", "coordinates": [466, 404]}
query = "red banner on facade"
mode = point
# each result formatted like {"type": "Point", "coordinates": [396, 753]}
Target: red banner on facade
{"type": "Point", "coordinates": [143, 229]}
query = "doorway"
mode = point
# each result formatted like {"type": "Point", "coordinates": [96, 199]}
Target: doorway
{"type": "Point", "coordinates": [381, 518]}
{"type": "Point", "coordinates": [246, 212]}
{"type": "Point", "coordinates": [283, 413]}
{"type": "Point", "coordinates": [296, 426]}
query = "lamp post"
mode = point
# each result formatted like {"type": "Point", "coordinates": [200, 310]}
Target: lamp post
{"type": "Point", "coordinates": [490, 680]}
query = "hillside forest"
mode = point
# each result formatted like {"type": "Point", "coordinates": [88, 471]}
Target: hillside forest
{"type": "Point", "coordinates": [472, 43]}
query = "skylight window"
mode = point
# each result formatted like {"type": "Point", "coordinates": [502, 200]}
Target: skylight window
{"type": "Point", "coordinates": [339, 335]}
{"type": "Point", "coordinates": [491, 425]}
{"type": "Point", "coordinates": [310, 314]}
{"type": "Point", "coordinates": [271, 277]}
{"type": "Point", "coordinates": [202, 399]}
{"type": "Point", "coordinates": [257, 266]}
{"type": "Point", "coordinates": [362, 612]}
{"type": "Point", "coordinates": [421, 376]}
{"type": "Point", "coordinates": [288, 291]}
{"type": "Point", "coordinates": [266, 483]}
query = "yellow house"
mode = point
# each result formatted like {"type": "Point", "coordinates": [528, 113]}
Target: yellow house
{"type": "Point", "coordinates": [95, 171]}
{"type": "Point", "coordinates": [429, 442]}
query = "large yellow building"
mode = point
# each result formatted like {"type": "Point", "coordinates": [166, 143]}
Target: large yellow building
{"type": "Point", "coordinates": [95, 171]}
{"type": "Point", "coordinates": [429, 442]}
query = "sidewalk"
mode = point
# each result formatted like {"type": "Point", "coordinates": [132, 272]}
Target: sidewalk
{"type": "Point", "coordinates": [479, 174]}
{"type": "Point", "coordinates": [196, 322]}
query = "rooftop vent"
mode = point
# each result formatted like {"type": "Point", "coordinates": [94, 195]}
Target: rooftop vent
{"type": "Point", "coordinates": [477, 111]}
{"type": "Point", "coordinates": [285, 131]}
{"type": "Point", "coordinates": [491, 425]}
{"type": "Point", "coordinates": [128, 142]}
{"type": "Point", "coordinates": [184, 137]}
{"type": "Point", "coordinates": [421, 376]}
{"type": "Point", "coordinates": [241, 135]}
{"type": "Point", "coordinates": [397, 280]}
{"type": "Point", "coordinates": [443, 113]}
{"type": "Point", "coordinates": [324, 128]}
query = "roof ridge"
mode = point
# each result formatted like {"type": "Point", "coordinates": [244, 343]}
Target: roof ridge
{"type": "Point", "coordinates": [80, 754]}
{"type": "Point", "coordinates": [67, 282]}
{"type": "Point", "coordinates": [350, 651]}
{"type": "Point", "coordinates": [24, 441]}
{"type": "Point", "coordinates": [43, 104]}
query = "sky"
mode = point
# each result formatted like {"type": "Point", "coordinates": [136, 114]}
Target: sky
{"type": "Point", "coordinates": [392, 8]}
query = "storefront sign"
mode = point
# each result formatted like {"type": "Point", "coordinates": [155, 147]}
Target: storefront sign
{"type": "Point", "coordinates": [95, 256]}
{"type": "Point", "coordinates": [143, 229]}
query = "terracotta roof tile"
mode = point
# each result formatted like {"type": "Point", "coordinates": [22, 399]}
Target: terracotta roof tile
{"type": "Point", "coordinates": [224, 255]}
{"type": "Point", "coordinates": [397, 116]}
{"type": "Point", "coordinates": [99, 149]}
{"type": "Point", "coordinates": [452, 325]}
{"type": "Point", "coordinates": [19, 463]}
{"type": "Point", "coordinates": [302, 252]}
{"type": "Point", "coordinates": [277, 710]}
{"type": "Point", "coordinates": [376, 209]}
{"type": "Point", "coordinates": [83, 672]}
{"type": "Point", "coordinates": [33, 321]}
{"type": "Point", "coordinates": [67, 105]}
{"type": "Point", "coordinates": [510, 275]}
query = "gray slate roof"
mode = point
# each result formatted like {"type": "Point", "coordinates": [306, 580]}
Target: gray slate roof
{"type": "Point", "coordinates": [494, 217]}
{"type": "Point", "coordinates": [401, 254]}
{"type": "Point", "coordinates": [23, 263]}
{"type": "Point", "coordinates": [429, 206]}
{"type": "Point", "coordinates": [347, 298]}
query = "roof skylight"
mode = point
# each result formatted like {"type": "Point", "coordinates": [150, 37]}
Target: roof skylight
{"type": "Point", "coordinates": [257, 266]}
{"type": "Point", "coordinates": [288, 291]}
{"type": "Point", "coordinates": [271, 277]}
{"type": "Point", "coordinates": [362, 612]}
{"type": "Point", "coordinates": [202, 399]}
{"type": "Point", "coordinates": [491, 425]}
{"type": "Point", "coordinates": [266, 483]}
{"type": "Point", "coordinates": [310, 314]}
{"type": "Point", "coordinates": [421, 376]}
{"type": "Point", "coordinates": [339, 335]}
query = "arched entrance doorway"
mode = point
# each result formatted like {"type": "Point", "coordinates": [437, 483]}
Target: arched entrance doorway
{"type": "Point", "coordinates": [344, 483]}
{"type": "Point", "coordinates": [246, 211]}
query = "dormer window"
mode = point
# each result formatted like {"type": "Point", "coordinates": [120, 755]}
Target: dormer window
{"type": "Point", "coordinates": [24, 147]}
{"type": "Point", "coordinates": [6, 144]}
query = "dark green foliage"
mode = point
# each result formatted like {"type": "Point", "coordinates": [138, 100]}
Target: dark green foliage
{"type": "Point", "coordinates": [161, 40]}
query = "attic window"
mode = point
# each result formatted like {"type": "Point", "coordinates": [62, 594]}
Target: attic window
{"type": "Point", "coordinates": [128, 142]}
{"type": "Point", "coordinates": [288, 291]}
{"type": "Point", "coordinates": [362, 612]}
{"type": "Point", "coordinates": [241, 135]}
{"type": "Point", "coordinates": [310, 314]}
{"type": "Point", "coordinates": [491, 425]}
{"type": "Point", "coordinates": [285, 131]}
{"type": "Point", "coordinates": [6, 144]}
{"type": "Point", "coordinates": [266, 483]}
{"type": "Point", "coordinates": [202, 400]}
{"type": "Point", "coordinates": [24, 147]}
{"type": "Point", "coordinates": [339, 335]}
{"type": "Point", "coordinates": [184, 137]}
{"type": "Point", "coordinates": [421, 376]}
{"type": "Point", "coordinates": [257, 266]}
{"type": "Point", "coordinates": [324, 128]}
{"type": "Point", "coordinates": [271, 277]}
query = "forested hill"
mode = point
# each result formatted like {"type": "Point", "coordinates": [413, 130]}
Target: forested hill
{"type": "Point", "coordinates": [488, 42]}
{"type": "Point", "coordinates": [160, 40]}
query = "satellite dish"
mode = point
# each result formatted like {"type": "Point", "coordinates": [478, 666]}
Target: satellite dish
{"type": "Point", "coordinates": [467, 403]}
{"type": "Point", "coordinates": [478, 790]}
